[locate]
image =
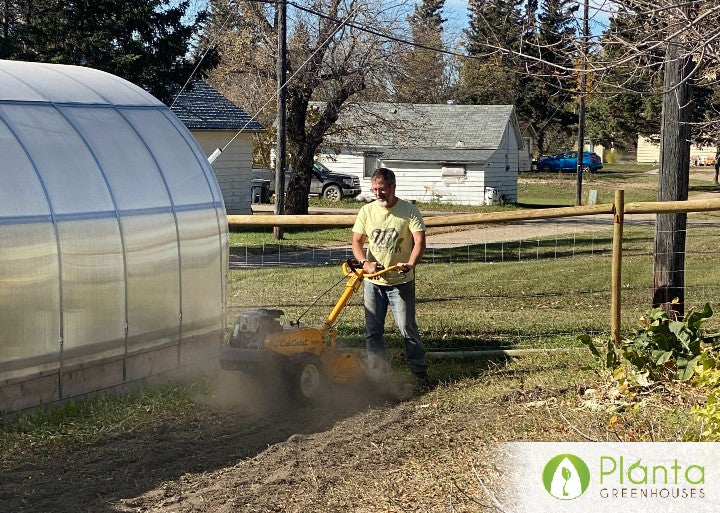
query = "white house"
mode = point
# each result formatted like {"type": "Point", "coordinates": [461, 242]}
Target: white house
{"type": "Point", "coordinates": [463, 154]}
{"type": "Point", "coordinates": [214, 121]}
{"type": "Point", "coordinates": [648, 151]}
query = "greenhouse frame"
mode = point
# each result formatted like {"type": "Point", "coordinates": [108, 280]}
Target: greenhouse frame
{"type": "Point", "coordinates": [113, 237]}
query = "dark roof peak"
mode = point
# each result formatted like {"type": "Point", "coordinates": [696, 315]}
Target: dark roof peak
{"type": "Point", "coordinates": [202, 107]}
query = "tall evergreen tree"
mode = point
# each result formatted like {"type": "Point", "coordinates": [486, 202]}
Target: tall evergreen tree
{"type": "Point", "coordinates": [626, 101]}
{"type": "Point", "coordinates": [143, 41]}
{"type": "Point", "coordinates": [422, 76]}
{"type": "Point", "coordinates": [493, 37]}
{"type": "Point", "coordinates": [522, 52]}
{"type": "Point", "coordinates": [550, 81]}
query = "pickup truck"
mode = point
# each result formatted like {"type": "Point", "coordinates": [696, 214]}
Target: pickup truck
{"type": "Point", "coordinates": [324, 183]}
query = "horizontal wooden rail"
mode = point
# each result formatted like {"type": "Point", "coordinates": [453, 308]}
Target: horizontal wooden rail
{"type": "Point", "coordinates": [347, 220]}
{"type": "Point", "coordinates": [339, 221]}
{"type": "Point", "coordinates": [672, 207]}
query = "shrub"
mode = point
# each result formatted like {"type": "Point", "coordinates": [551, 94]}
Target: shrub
{"type": "Point", "coordinates": [662, 349]}
{"type": "Point", "coordinates": [709, 413]}
{"type": "Point", "coordinates": [611, 157]}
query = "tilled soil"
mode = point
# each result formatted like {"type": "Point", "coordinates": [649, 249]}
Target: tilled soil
{"type": "Point", "coordinates": [250, 451]}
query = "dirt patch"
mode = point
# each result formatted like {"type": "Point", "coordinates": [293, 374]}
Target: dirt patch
{"type": "Point", "coordinates": [247, 443]}
{"type": "Point", "coordinates": [355, 452]}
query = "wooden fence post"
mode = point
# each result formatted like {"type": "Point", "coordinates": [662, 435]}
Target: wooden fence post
{"type": "Point", "coordinates": [616, 280]}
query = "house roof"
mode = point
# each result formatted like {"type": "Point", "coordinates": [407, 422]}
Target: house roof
{"type": "Point", "coordinates": [203, 108]}
{"type": "Point", "coordinates": [435, 155]}
{"type": "Point", "coordinates": [431, 132]}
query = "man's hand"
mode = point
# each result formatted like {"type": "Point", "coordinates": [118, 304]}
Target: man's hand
{"type": "Point", "coordinates": [370, 267]}
{"type": "Point", "coordinates": [406, 265]}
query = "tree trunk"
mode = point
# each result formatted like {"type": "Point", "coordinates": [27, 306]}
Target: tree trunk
{"type": "Point", "coordinates": [674, 175]}
{"type": "Point", "coordinates": [296, 197]}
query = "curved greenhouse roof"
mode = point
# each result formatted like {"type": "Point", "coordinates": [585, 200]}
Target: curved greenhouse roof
{"type": "Point", "coordinates": [113, 239]}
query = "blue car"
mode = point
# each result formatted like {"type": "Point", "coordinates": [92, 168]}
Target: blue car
{"type": "Point", "coordinates": [567, 161]}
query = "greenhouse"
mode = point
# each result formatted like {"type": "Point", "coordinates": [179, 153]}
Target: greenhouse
{"type": "Point", "coordinates": [113, 236]}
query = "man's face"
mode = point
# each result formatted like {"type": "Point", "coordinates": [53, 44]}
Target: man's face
{"type": "Point", "coordinates": [384, 192]}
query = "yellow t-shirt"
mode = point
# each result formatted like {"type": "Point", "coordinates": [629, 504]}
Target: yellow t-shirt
{"type": "Point", "coordinates": [389, 236]}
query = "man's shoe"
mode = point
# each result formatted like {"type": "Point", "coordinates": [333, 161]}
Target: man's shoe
{"type": "Point", "coordinates": [423, 381]}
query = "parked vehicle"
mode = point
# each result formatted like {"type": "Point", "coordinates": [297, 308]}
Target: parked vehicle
{"type": "Point", "coordinates": [331, 185]}
{"type": "Point", "coordinates": [324, 182]}
{"type": "Point", "coordinates": [567, 161]}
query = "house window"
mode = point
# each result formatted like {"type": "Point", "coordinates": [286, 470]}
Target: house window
{"type": "Point", "coordinates": [453, 173]}
{"type": "Point", "coordinates": [372, 162]}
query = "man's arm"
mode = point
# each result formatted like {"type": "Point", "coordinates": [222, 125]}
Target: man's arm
{"type": "Point", "coordinates": [417, 251]}
{"type": "Point", "coordinates": [358, 241]}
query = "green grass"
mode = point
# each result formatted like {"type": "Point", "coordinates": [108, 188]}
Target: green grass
{"type": "Point", "coordinates": [34, 435]}
{"type": "Point", "coordinates": [543, 301]}
{"type": "Point", "coordinates": [487, 296]}
{"type": "Point", "coordinates": [256, 237]}
{"type": "Point", "coordinates": [559, 189]}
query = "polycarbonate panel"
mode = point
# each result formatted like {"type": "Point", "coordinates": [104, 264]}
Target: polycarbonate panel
{"type": "Point", "coordinates": [185, 178]}
{"type": "Point", "coordinates": [114, 89]}
{"type": "Point", "coordinates": [71, 176]}
{"type": "Point", "coordinates": [130, 170]}
{"type": "Point", "coordinates": [202, 275]}
{"type": "Point", "coordinates": [15, 89]}
{"type": "Point", "coordinates": [50, 83]}
{"type": "Point", "coordinates": [29, 294]}
{"type": "Point", "coordinates": [21, 193]}
{"type": "Point", "coordinates": [153, 280]}
{"type": "Point", "coordinates": [93, 281]}
{"type": "Point", "coordinates": [224, 252]}
{"type": "Point", "coordinates": [201, 158]}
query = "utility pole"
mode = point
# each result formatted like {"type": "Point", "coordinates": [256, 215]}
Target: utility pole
{"type": "Point", "coordinates": [281, 15]}
{"type": "Point", "coordinates": [673, 177]}
{"type": "Point", "coordinates": [581, 113]}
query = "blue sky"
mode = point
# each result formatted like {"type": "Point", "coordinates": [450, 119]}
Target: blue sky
{"type": "Point", "coordinates": [456, 12]}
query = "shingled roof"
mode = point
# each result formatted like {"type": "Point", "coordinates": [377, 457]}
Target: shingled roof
{"type": "Point", "coordinates": [204, 108]}
{"type": "Point", "coordinates": [408, 131]}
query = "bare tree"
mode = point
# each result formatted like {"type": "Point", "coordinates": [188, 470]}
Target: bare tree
{"type": "Point", "coordinates": [334, 53]}
{"type": "Point", "coordinates": [676, 40]}
{"type": "Point", "coordinates": [685, 36]}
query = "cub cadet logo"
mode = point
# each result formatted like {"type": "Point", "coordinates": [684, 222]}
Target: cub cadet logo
{"type": "Point", "coordinates": [293, 343]}
{"type": "Point", "coordinates": [566, 477]}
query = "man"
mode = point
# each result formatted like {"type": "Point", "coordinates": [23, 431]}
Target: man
{"type": "Point", "coordinates": [395, 234]}
{"type": "Point", "coordinates": [717, 164]}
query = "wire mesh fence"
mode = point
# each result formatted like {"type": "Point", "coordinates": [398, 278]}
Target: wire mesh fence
{"type": "Point", "coordinates": [526, 293]}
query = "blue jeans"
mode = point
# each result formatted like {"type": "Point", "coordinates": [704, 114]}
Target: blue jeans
{"type": "Point", "coordinates": [401, 299]}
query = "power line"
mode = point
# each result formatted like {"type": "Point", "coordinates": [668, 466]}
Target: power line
{"type": "Point", "coordinates": [275, 93]}
{"type": "Point", "coordinates": [197, 66]}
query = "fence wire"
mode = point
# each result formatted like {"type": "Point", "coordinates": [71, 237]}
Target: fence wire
{"type": "Point", "coordinates": [528, 293]}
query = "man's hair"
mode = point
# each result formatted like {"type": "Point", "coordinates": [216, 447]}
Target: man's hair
{"type": "Point", "coordinates": [386, 174]}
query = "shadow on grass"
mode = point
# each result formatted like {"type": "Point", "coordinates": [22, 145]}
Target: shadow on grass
{"type": "Point", "coordinates": [542, 206]}
{"type": "Point", "coordinates": [704, 188]}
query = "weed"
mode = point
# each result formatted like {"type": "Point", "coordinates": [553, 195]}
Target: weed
{"type": "Point", "coordinates": [662, 349]}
